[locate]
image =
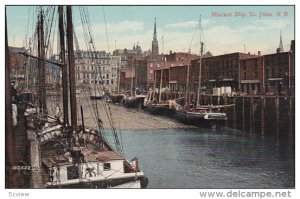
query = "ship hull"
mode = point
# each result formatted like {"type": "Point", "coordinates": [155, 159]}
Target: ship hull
{"type": "Point", "coordinates": [133, 102]}
{"type": "Point", "coordinates": [197, 119]}
{"type": "Point", "coordinates": [132, 182]}
{"type": "Point", "coordinates": [159, 109]}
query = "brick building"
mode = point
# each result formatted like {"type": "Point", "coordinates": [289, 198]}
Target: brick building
{"type": "Point", "coordinates": [251, 75]}
{"type": "Point", "coordinates": [277, 72]}
{"type": "Point", "coordinates": [271, 74]}
{"type": "Point", "coordinates": [135, 73]}
{"type": "Point", "coordinates": [222, 70]}
{"type": "Point", "coordinates": [171, 79]}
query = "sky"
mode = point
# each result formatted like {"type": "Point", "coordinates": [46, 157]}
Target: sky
{"type": "Point", "coordinates": [177, 27]}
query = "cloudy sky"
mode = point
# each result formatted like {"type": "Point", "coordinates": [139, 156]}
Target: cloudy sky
{"type": "Point", "coordinates": [177, 27]}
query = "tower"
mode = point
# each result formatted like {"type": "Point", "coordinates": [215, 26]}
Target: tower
{"type": "Point", "coordinates": [280, 48]}
{"type": "Point", "coordinates": [154, 41]}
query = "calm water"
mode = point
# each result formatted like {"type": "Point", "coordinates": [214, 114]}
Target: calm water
{"type": "Point", "coordinates": [204, 158]}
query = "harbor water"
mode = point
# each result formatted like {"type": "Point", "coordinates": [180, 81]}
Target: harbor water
{"type": "Point", "coordinates": [209, 158]}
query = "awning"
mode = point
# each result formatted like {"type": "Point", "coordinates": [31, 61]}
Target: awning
{"type": "Point", "coordinates": [275, 79]}
{"type": "Point", "coordinates": [249, 81]}
{"type": "Point", "coordinates": [228, 79]}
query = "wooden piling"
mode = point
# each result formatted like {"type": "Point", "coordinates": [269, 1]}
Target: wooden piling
{"type": "Point", "coordinates": [243, 110]}
{"type": "Point", "coordinates": [263, 104]}
{"type": "Point", "coordinates": [35, 159]}
{"type": "Point", "coordinates": [277, 116]}
{"type": "Point", "coordinates": [291, 121]}
{"type": "Point", "coordinates": [234, 113]}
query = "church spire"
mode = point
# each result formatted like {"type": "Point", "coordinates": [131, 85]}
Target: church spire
{"type": "Point", "coordinates": [280, 44]}
{"type": "Point", "coordinates": [154, 34]}
{"type": "Point", "coordinates": [154, 41]}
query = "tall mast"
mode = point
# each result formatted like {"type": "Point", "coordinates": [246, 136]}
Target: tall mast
{"type": "Point", "coordinates": [65, 67]}
{"type": "Point", "coordinates": [162, 70]}
{"type": "Point", "coordinates": [160, 85]}
{"type": "Point", "coordinates": [154, 85]}
{"type": "Point", "coordinates": [187, 81]}
{"type": "Point", "coordinates": [131, 83]}
{"type": "Point", "coordinates": [200, 65]}
{"type": "Point", "coordinates": [9, 141]}
{"type": "Point", "coordinates": [119, 78]}
{"type": "Point", "coordinates": [41, 63]}
{"type": "Point", "coordinates": [135, 78]}
{"type": "Point", "coordinates": [71, 62]}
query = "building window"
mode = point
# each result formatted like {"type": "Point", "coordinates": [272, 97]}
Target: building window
{"type": "Point", "coordinates": [106, 167]}
{"type": "Point", "coordinates": [279, 72]}
{"type": "Point", "coordinates": [245, 75]}
{"type": "Point", "coordinates": [273, 72]}
{"type": "Point", "coordinates": [255, 74]}
{"type": "Point", "coordinates": [267, 73]}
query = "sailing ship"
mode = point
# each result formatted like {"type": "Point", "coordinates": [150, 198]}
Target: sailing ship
{"type": "Point", "coordinates": [154, 104]}
{"type": "Point", "coordinates": [134, 99]}
{"type": "Point", "coordinates": [75, 156]}
{"type": "Point", "coordinates": [197, 114]}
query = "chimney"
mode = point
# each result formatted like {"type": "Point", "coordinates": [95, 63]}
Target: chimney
{"type": "Point", "coordinates": [170, 52]}
{"type": "Point", "coordinates": [259, 53]}
{"type": "Point", "coordinates": [248, 53]}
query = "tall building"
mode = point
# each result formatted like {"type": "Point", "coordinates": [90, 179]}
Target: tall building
{"type": "Point", "coordinates": [155, 41]}
{"type": "Point", "coordinates": [98, 68]}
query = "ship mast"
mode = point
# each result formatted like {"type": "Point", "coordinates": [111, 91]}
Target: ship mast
{"type": "Point", "coordinates": [9, 140]}
{"type": "Point", "coordinates": [41, 63]}
{"type": "Point", "coordinates": [131, 83]}
{"type": "Point", "coordinates": [162, 70]}
{"type": "Point", "coordinates": [187, 81]}
{"type": "Point", "coordinates": [64, 67]}
{"type": "Point", "coordinates": [200, 65]}
{"type": "Point", "coordinates": [71, 62]}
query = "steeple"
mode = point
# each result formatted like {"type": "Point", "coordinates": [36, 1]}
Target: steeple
{"type": "Point", "coordinates": [154, 34]}
{"type": "Point", "coordinates": [154, 41]}
{"type": "Point", "coordinates": [280, 48]}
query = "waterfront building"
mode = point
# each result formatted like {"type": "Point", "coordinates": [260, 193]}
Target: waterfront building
{"type": "Point", "coordinates": [98, 68]}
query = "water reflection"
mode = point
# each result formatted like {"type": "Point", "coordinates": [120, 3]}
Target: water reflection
{"type": "Point", "coordinates": [202, 158]}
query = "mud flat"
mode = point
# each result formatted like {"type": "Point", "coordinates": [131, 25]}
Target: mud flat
{"type": "Point", "coordinates": [125, 118]}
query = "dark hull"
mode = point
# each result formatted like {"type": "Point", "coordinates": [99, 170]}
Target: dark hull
{"type": "Point", "coordinates": [117, 98]}
{"type": "Point", "coordinates": [103, 184]}
{"type": "Point", "coordinates": [196, 120]}
{"type": "Point", "coordinates": [133, 103]}
{"type": "Point", "coordinates": [96, 97]}
{"type": "Point", "coordinates": [159, 109]}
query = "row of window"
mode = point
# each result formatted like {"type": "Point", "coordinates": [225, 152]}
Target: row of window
{"type": "Point", "coordinates": [99, 68]}
{"type": "Point", "coordinates": [106, 82]}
